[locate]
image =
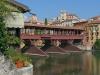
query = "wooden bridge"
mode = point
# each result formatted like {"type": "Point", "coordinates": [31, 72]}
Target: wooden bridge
{"type": "Point", "coordinates": [32, 31]}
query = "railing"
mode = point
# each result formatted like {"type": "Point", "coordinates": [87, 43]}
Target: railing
{"type": "Point", "coordinates": [48, 36]}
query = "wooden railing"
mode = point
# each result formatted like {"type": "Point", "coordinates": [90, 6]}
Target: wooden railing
{"type": "Point", "coordinates": [48, 36]}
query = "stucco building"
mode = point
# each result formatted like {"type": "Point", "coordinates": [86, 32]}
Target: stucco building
{"type": "Point", "coordinates": [65, 19]}
{"type": "Point", "coordinates": [15, 21]}
{"type": "Point", "coordinates": [92, 31]}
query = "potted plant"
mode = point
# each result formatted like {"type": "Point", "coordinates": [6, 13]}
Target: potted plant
{"type": "Point", "coordinates": [19, 59]}
{"type": "Point", "coordinates": [19, 64]}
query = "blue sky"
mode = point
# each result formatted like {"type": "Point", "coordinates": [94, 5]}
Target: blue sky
{"type": "Point", "coordinates": [51, 8]}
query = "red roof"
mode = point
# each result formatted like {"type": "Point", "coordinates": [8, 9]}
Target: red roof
{"type": "Point", "coordinates": [55, 49]}
{"type": "Point", "coordinates": [95, 21]}
{"type": "Point", "coordinates": [28, 24]}
{"type": "Point", "coordinates": [71, 48]}
{"type": "Point", "coordinates": [32, 50]}
{"type": "Point", "coordinates": [96, 17]}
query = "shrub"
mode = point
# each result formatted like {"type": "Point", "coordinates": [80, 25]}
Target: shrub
{"type": "Point", "coordinates": [97, 44]}
{"type": "Point", "coordinates": [15, 56]}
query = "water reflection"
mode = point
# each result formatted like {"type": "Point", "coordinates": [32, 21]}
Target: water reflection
{"type": "Point", "coordinates": [96, 63]}
{"type": "Point", "coordinates": [86, 63]}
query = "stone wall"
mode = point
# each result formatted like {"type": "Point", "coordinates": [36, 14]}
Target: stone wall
{"type": "Point", "coordinates": [25, 70]}
{"type": "Point", "coordinates": [8, 68]}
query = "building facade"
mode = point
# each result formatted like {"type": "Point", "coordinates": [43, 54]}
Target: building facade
{"type": "Point", "coordinates": [92, 31]}
{"type": "Point", "coordinates": [65, 19]}
{"type": "Point", "coordinates": [15, 21]}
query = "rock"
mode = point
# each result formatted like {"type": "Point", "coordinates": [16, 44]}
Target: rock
{"type": "Point", "coordinates": [6, 66]}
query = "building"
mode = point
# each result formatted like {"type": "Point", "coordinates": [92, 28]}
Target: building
{"type": "Point", "coordinates": [33, 19]}
{"type": "Point", "coordinates": [55, 31]}
{"type": "Point", "coordinates": [39, 33]}
{"type": "Point", "coordinates": [83, 25]}
{"type": "Point", "coordinates": [92, 31]}
{"type": "Point", "coordinates": [65, 19]}
{"type": "Point", "coordinates": [15, 21]}
{"type": "Point", "coordinates": [67, 16]}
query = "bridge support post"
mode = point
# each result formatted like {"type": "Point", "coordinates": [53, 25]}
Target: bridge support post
{"type": "Point", "coordinates": [55, 42]}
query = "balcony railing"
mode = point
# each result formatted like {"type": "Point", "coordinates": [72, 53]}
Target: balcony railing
{"type": "Point", "coordinates": [52, 37]}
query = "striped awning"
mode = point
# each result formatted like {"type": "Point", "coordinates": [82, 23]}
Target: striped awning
{"type": "Point", "coordinates": [15, 20]}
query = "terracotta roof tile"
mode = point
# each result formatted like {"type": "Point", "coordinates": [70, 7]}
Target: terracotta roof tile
{"type": "Point", "coordinates": [71, 48]}
{"type": "Point", "coordinates": [32, 50]}
{"type": "Point", "coordinates": [95, 21]}
{"type": "Point", "coordinates": [54, 49]}
{"type": "Point", "coordinates": [22, 6]}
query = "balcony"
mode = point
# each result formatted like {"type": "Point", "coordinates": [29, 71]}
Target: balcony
{"type": "Point", "coordinates": [52, 37]}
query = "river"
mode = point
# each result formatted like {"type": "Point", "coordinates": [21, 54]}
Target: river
{"type": "Point", "coordinates": [79, 63]}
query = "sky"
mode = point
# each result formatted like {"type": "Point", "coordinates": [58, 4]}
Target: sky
{"type": "Point", "coordinates": [85, 9]}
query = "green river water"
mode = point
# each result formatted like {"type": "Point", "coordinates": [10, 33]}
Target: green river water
{"type": "Point", "coordinates": [82, 63]}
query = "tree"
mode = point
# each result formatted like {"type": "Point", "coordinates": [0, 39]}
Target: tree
{"type": "Point", "coordinates": [3, 34]}
{"type": "Point", "coordinates": [7, 41]}
{"type": "Point", "coordinates": [3, 31]}
{"type": "Point", "coordinates": [46, 21]}
{"type": "Point", "coordinates": [97, 44]}
{"type": "Point", "coordinates": [4, 9]}
{"type": "Point", "coordinates": [5, 38]}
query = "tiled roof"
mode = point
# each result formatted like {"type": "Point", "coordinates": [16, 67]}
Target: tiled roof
{"type": "Point", "coordinates": [71, 48]}
{"type": "Point", "coordinates": [95, 22]}
{"type": "Point", "coordinates": [96, 17]}
{"type": "Point", "coordinates": [28, 24]}
{"type": "Point", "coordinates": [32, 50]}
{"type": "Point", "coordinates": [54, 49]}
{"type": "Point", "coordinates": [22, 6]}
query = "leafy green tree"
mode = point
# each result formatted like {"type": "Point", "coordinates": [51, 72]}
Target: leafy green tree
{"type": "Point", "coordinates": [5, 39]}
{"type": "Point", "coordinates": [4, 11]}
{"type": "Point", "coordinates": [13, 41]}
{"type": "Point", "coordinates": [3, 35]}
{"type": "Point", "coordinates": [97, 44]}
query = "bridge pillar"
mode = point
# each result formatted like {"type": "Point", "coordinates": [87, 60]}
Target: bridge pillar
{"type": "Point", "coordinates": [55, 42]}
{"type": "Point", "coordinates": [35, 42]}
{"type": "Point", "coordinates": [38, 43]}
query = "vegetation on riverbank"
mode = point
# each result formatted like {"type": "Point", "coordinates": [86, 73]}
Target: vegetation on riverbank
{"type": "Point", "coordinates": [8, 42]}
{"type": "Point", "coordinates": [97, 45]}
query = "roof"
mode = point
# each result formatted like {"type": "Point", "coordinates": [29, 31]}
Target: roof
{"type": "Point", "coordinates": [96, 17]}
{"type": "Point", "coordinates": [71, 48]}
{"type": "Point", "coordinates": [95, 22]}
{"type": "Point", "coordinates": [55, 49]}
{"type": "Point", "coordinates": [81, 22]}
{"type": "Point", "coordinates": [28, 24]}
{"type": "Point", "coordinates": [32, 50]}
{"type": "Point", "coordinates": [18, 4]}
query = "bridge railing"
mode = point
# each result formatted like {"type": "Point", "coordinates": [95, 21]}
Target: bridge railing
{"type": "Point", "coordinates": [48, 36]}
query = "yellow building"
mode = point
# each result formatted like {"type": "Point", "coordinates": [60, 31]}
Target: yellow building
{"type": "Point", "coordinates": [92, 31]}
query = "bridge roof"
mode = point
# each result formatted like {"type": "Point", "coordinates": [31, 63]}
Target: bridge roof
{"type": "Point", "coordinates": [51, 27]}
